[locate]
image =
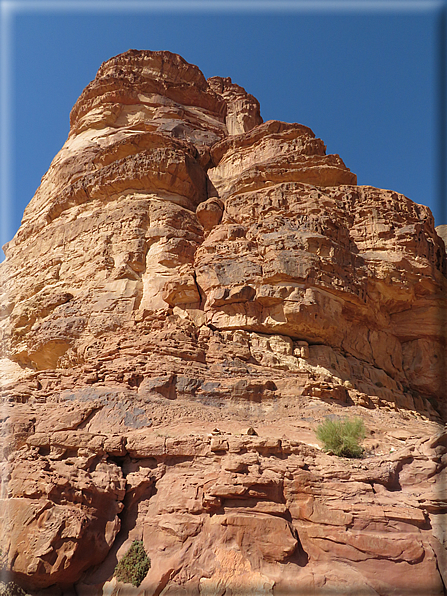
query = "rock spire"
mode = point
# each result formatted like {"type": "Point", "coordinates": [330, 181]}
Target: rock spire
{"type": "Point", "coordinates": [185, 272]}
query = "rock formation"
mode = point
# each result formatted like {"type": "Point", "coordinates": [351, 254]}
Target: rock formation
{"type": "Point", "coordinates": [190, 293]}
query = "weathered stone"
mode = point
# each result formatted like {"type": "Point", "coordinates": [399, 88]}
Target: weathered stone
{"type": "Point", "coordinates": [191, 292]}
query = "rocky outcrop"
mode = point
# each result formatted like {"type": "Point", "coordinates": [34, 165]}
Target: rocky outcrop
{"type": "Point", "coordinates": [186, 272]}
{"type": "Point", "coordinates": [224, 509]}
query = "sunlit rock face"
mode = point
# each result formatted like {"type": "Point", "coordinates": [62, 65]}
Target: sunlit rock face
{"type": "Point", "coordinates": [186, 272]}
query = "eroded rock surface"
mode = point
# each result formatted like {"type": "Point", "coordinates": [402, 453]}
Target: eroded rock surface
{"type": "Point", "coordinates": [190, 293]}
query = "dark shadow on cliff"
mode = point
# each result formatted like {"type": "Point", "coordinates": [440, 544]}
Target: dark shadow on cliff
{"type": "Point", "coordinates": [105, 570]}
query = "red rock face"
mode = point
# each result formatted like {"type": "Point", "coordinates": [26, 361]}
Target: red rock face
{"type": "Point", "coordinates": [184, 266]}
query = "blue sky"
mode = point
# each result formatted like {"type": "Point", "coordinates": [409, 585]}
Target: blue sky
{"type": "Point", "coordinates": [363, 75]}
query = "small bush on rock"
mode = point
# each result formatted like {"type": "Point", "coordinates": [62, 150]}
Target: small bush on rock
{"type": "Point", "coordinates": [11, 589]}
{"type": "Point", "coordinates": [342, 437]}
{"type": "Point", "coordinates": [135, 564]}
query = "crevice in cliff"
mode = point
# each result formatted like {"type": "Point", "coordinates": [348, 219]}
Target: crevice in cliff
{"type": "Point", "coordinates": [393, 483]}
{"type": "Point", "coordinates": [199, 290]}
{"type": "Point", "coordinates": [299, 556]}
{"type": "Point", "coordinates": [441, 568]}
{"type": "Point", "coordinates": [103, 572]}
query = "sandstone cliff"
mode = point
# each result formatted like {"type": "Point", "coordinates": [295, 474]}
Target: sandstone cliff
{"type": "Point", "coordinates": [190, 293]}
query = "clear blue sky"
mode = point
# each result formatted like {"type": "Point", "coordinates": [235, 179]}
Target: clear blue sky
{"type": "Point", "coordinates": [365, 79]}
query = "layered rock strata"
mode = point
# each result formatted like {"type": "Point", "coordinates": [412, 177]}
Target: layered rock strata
{"type": "Point", "coordinates": [186, 272]}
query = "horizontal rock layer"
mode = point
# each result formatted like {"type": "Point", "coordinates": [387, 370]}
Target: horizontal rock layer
{"type": "Point", "coordinates": [218, 509]}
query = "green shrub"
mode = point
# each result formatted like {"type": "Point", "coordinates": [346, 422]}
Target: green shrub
{"type": "Point", "coordinates": [11, 589]}
{"type": "Point", "coordinates": [135, 564]}
{"type": "Point", "coordinates": [342, 437]}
